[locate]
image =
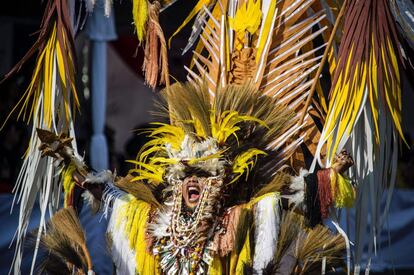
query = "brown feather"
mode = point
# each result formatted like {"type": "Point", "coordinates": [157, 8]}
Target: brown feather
{"type": "Point", "coordinates": [65, 239]}
{"type": "Point", "coordinates": [139, 190]}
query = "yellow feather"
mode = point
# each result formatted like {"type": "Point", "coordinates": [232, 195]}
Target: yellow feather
{"type": "Point", "coordinates": [140, 16]}
{"type": "Point", "coordinates": [246, 19]}
{"type": "Point", "coordinates": [147, 171]}
{"type": "Point", "coordinates": [226, 125]}
{"type": "Point", "coordinates": [245, 162]}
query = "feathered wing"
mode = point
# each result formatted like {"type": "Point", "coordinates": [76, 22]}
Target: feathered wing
{"type": "Point", "coordinates": [48, 103]}
{"type": "Point", "coordinates": [364, 114]}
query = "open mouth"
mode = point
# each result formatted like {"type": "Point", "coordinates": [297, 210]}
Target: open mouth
{"type": "Point", "coordinates": [193, 193]}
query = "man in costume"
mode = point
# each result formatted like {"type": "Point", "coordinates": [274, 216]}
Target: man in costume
{"type": "Point", "coordinates": [203, 198]}
{"type": "Point", "coordinates": [206, 192]}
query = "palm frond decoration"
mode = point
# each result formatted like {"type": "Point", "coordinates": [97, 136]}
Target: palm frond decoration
{"type": "Point", "coordinates": [55, 63]}
{"type": "Point", "coordinates": [272, 44]}
{"type": "Point", "coordinates": [48, 103]}
{"type": "Point", "coordinates": [367, 72]}
{"type": "Point", "coordinates": [364, 113]}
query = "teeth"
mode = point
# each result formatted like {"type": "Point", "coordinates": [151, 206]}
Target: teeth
{"type": "Point", "coordinates": [192, 189]}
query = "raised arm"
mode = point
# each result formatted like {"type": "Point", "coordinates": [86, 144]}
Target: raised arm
{"type": "Point", "coordinates": [77, 177]}
{"type": "Point", "coordinates": [315, 194]}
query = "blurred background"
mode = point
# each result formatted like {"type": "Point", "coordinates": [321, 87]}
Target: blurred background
{"type": "Point", "coordinates": [128, 108]}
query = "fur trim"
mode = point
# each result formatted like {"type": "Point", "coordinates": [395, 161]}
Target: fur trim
{"type": "Point", "coordinates": [191, 150]}
{"type": "Point", "coordinates": [297, 187]}
{"type": "Point", "coordinates": [103, 177]}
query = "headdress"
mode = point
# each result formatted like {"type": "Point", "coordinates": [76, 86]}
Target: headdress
{"type": "Point", "coordinates": [218, 135]}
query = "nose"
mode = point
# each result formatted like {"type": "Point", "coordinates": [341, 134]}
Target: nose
{"type": "Point", "coordinates": [193, 179]}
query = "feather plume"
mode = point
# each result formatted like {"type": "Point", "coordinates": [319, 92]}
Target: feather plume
{"type": "Point", "coordinates": [49, 103]}
{"type": "Point", "coordinates": [244, 162]}
{"type": "Point", "coordinates": [302, 251]}
{"type": "Point", "coordinates": [66, 243]}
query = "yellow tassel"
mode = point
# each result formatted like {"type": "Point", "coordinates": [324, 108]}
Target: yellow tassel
{"type": "Point", "coordinates": [140, 16]}
{"type": "Point", "coordinates": [68, 182]}
{"type": "Point", "coordinates": [244, 256]}
{"type": "Point", "coordinates": [345, 194]}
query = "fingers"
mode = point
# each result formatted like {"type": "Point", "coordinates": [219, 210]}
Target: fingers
{"type": "Point", "coordinates": [343, 161]}
{"type": "Point", "coordinates": [350, 160]}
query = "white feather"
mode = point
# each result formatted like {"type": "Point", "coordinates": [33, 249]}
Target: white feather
{"type": "Point", "coordinates": [297, 186]}
{"type": "Point", "coordinates": [122, 255]}
{"type": "Point", "coordinates": [267, 222]}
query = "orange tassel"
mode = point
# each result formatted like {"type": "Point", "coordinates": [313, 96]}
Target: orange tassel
{"type": "Point", "coordinates": [155, 50]}
{"type": "Point", "coordinates": [324, 190]}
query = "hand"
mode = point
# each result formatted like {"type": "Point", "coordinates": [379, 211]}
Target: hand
{"type": "Point", "coordinates": [79, 179]}
{"type": "Point", "coordinates": [342, 162]}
